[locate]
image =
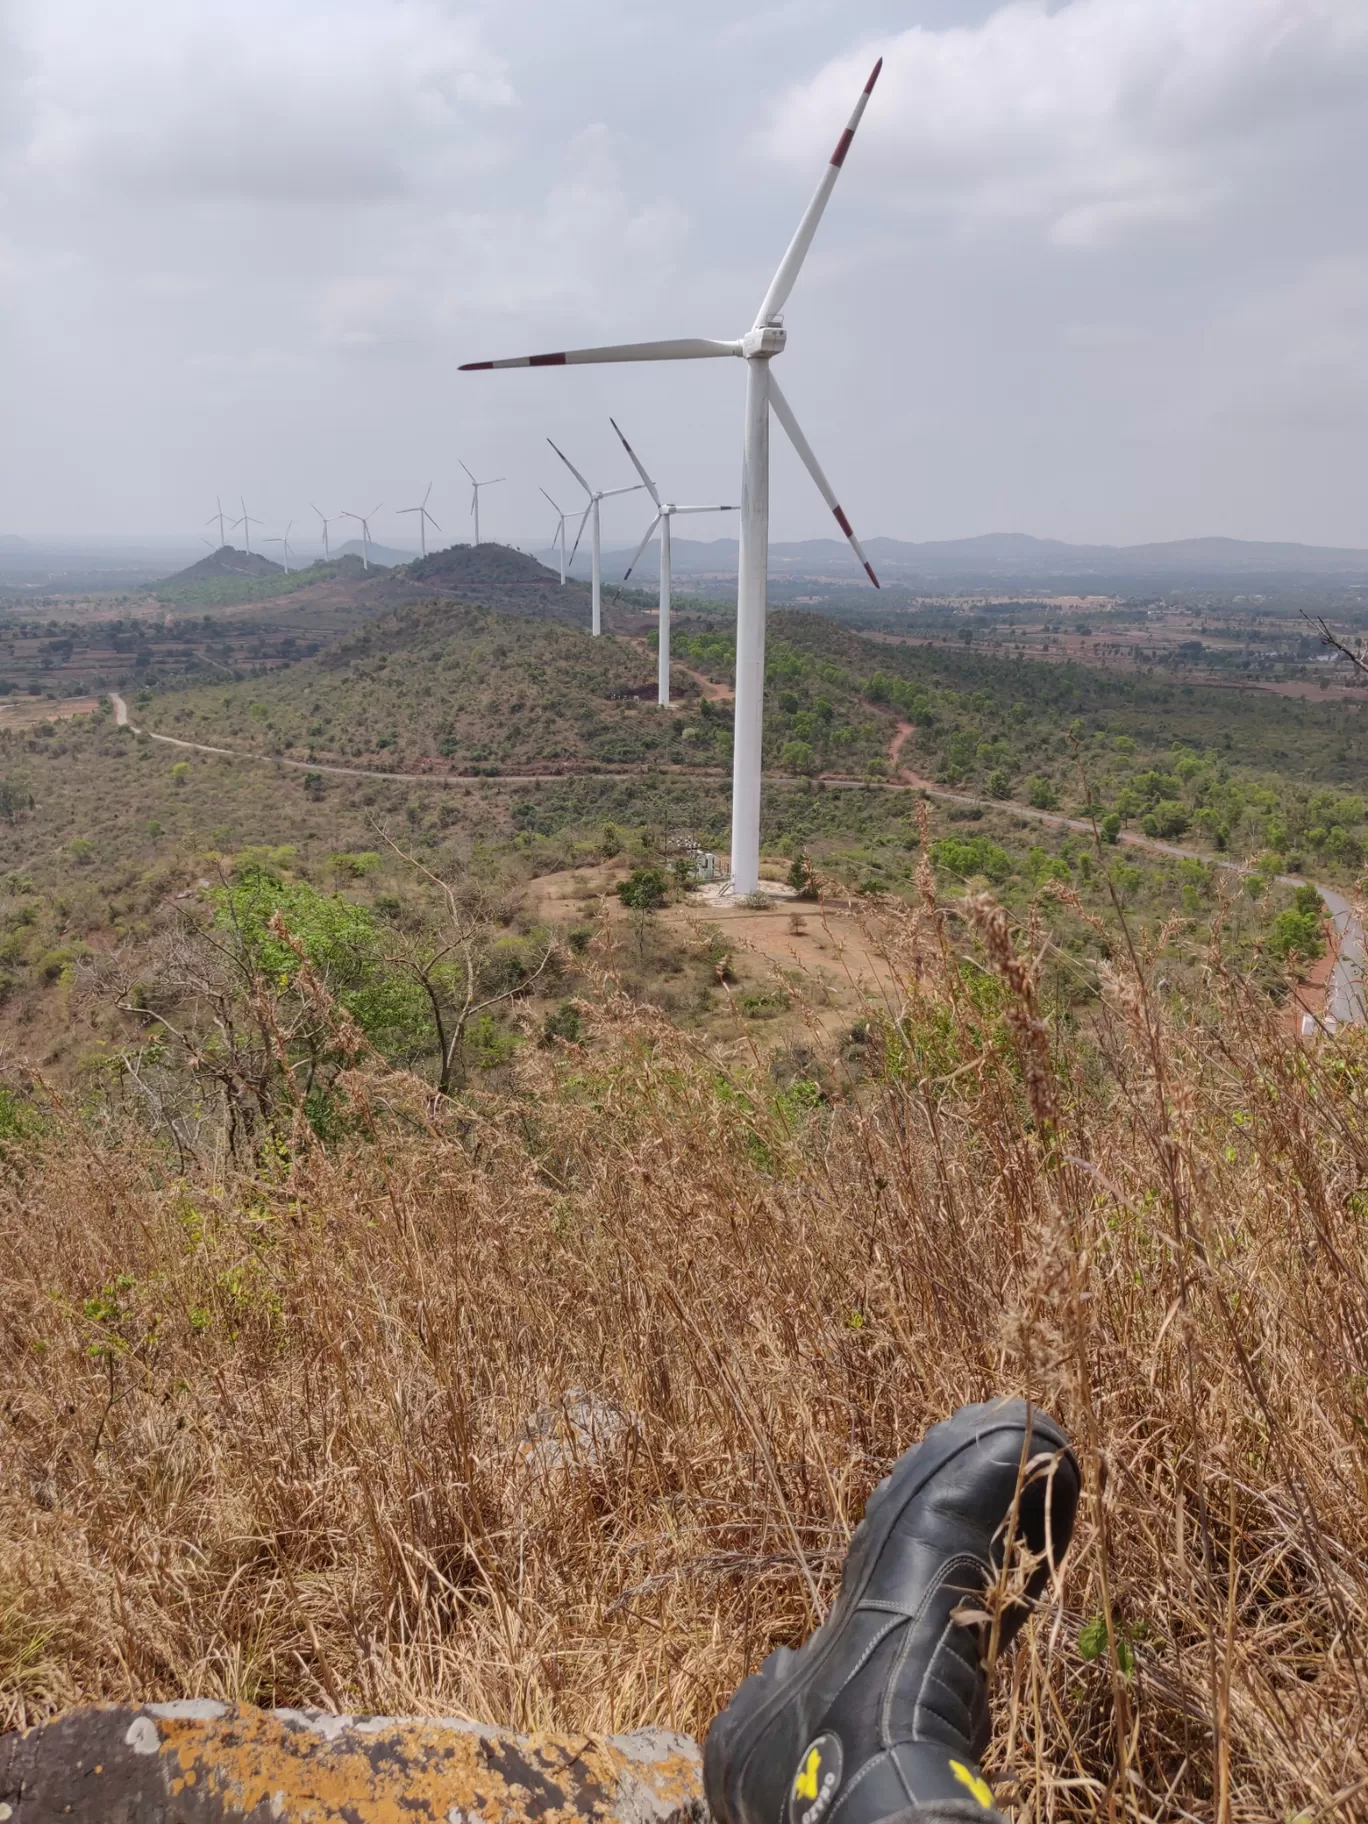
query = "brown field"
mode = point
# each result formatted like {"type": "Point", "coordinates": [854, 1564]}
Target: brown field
{"type": "Point", "coordinates": [271, 1419]}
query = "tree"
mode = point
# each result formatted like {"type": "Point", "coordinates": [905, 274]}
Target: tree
{"type": "Point", "coordinates": [798, 757]}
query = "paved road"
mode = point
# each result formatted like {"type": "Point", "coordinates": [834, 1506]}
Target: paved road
{"type": "Point", "coordinates": [1345, 1001]}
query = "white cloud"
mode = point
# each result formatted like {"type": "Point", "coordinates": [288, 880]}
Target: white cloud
{"type": "Point", "coordinates": [252, 103]}
{"type": "Point", "coordinates": [1101, 118]}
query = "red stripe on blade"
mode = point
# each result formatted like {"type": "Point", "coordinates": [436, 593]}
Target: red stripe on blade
{"type": "Point", "coordinates": [874, 77]}
{"type": "Point", "coordinates": [473, 367]}
{"type": "Point", "coordinates": [842, 147]}
{"type": "Point", "coordinates": [843, 523]}
{"type": "Point", "coordinates": [873, 579]}
{"type": "Point", "coordinates": [547, 361]}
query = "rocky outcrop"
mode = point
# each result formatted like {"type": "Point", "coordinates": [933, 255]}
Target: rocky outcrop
{"type": "Point", "coordinates": [198, 1762]}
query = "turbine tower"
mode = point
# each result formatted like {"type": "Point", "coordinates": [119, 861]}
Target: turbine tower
{"type": "Point", "coordinates": [592, 512]}
{"type": "Point", "coordinates": [219, 515]}
{"type": "Point", "coordinates": [665, 512]}
{"type": "Point", "coordinates": [327, 553]}
{"type": "Point", "coordinates": [423, 517]}
{"type": "Point", "coordinates": [475, 487]}
{"type": "Point", "coordinates": [364, 519]}
{"type": "Point", "coordinates": [284, 542]}
{"type": "Point", "coordinates": [246, 522]}
{"type": "Point", "coordinates": [757, 348]}
{"type": "Point", "coordinates": [559, 533]}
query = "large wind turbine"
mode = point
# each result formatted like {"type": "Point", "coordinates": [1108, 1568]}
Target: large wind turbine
{"type": "Point", "coordinates": [246, 522]}
{"type": "Point", "coordinates": [665, 512]}
{"type": "Point", "coordinates": [364, 520]}
{"type": "Point", "coordinates": [423, 517]}
{"type": "Point", "coordinates": [219, 515]}
{"type": "Point", "coordinates": [475, 487]}
{"type": "Point", "coordinates": [559, 532]}
{"type": "Point", "coordinates": [591, 512]}
{"type": "Point", "coordinates": [757, 348]}
{"type": "Point", "coordinates": [284, 542]}
{"type": "Point", "coordinates": [327, 553]}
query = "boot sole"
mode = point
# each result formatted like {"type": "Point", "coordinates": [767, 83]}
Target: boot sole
{"type": "Point", "coordinates": [765, 1692]}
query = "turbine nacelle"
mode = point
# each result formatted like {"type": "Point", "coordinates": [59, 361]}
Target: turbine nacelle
{"type": "Point", "coordinates": [763, 342]}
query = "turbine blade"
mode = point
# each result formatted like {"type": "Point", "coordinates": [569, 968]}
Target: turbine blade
{"type": "Point", "coordinates": [464, 467]}
{"type": "Point", "coordinates": [580, 534]}
{"type": "Point", "coordinates": [687, 348]}
{"type": "Point", "coordinates": [431, 521]}
{"type": "Point", "coordinates": [546, 496]}
{"type": "Point", "coordinates": [784, 413]}
{"type": "Point", "coordinates": [731, 509]}
{"type": "Point", "coordinates": [792, 263]}
{"type": "Point", "coordinates": [646, 539]}
{"type": "Point", "coordinates": [636, 462]}
{"type": "Point", "coordinates": [573, 470]}
{"type": "Point", "coordinates": [608, 493]}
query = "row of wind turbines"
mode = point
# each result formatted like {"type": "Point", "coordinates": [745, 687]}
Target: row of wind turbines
{"type": "Point", "coordinates": [425, 519]}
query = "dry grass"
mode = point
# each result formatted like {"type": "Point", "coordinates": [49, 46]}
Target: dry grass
{"type": "Point", "coordinates": [269, 1439]}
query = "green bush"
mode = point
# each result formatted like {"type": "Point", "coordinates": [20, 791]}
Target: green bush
{"type": "Point", "coordinates": [965, 856]}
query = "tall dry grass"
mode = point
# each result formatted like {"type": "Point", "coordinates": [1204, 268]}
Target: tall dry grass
{"type": "Point", "coordinates": [269, 1438]}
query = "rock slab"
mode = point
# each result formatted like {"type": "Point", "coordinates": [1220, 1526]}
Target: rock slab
{"type": "Point", "coordinates": [199, 1762]}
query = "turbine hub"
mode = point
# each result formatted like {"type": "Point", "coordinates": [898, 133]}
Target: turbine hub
{"type": "Point", "coordinates": [764, 340]}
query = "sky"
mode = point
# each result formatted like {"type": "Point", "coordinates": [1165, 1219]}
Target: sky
{"type": "Point", "coordinates": [1094, 269]}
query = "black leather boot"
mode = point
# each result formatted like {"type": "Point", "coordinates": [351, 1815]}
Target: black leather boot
{"type": "Point", "coordinates": [885, 1709]}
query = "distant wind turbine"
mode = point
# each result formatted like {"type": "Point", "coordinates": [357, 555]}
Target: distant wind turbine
{"type": "Point", "coordinates": [327, 554]}
{"type": "Point", "coordinates": [591, 512]}
{"type": "Point", "coordinates": [424, 517]}
{"type": "Point", "coordinates": [757, 348]}
{"type": "Point", "coordinates": [247, 522]}
{"type": "Point", "coordinates": [364, 519]}
{"type": "Point", "coordinates": [284, 542]}
{"type": "Point", "coordinates": [559, 533]}
{"type": "Point", "coordinates": [221, 517]}
{"type": "Point", "coordinates": [665, 512]}
{"type": "Point", "coordinates": [475, 487]}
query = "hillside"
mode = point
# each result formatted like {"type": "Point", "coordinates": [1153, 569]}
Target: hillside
{"type": "Point", "coordinates": [446, 687]}
{"type": "Point", "coordinates": [226, 561]}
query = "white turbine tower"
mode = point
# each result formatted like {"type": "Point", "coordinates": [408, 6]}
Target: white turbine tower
{"type": "Point", "coordinates": [475, 487]}
{"type": "Point", "coordinates": [284, 543]}
{"type": "Point", "coordinates": [219, 515]}
{"type": "Point", "coordinates": [246, 522]}
{"type": "Point", "coordinates": [327, 552]}
{"type": "Point", "coordinates": [559, 533]}
{"type": "Point", "coordinates": [364, 520]}
{"type": "Point", "coordinates": [423, 518]}
{"type": "Point", "coordinates": [757, 348]}
{"type": "Point", "coordinates": [591, 512]}
{"type": "Point", "coordinates": [665, 512]}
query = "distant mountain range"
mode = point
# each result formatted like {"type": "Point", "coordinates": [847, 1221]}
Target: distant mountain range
{"type": "Point", "coordinates": [1016, 556]}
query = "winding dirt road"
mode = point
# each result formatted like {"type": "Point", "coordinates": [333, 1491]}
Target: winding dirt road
{"type": "Point", "coordinates": [1344, 999]}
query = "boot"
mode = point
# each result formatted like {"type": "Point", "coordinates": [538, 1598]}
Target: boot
{"type": "Point", "coordinates": [885, 1709]}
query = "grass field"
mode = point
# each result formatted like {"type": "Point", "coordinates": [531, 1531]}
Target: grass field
{"type": "Point", "coordinates": [273, 1417]}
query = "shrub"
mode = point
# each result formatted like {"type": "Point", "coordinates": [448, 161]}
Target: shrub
{"type": "Point", "coordinates": [965, 856]}
{"type": "Point", "coordinates": [644, 890]}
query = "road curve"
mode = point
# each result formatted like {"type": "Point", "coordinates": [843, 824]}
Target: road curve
{"type": "Point", "coordinates": [1344, 1000]}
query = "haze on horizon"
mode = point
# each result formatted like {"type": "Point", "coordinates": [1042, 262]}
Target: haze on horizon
{"type": "Point", "coordinates": [1095, 270]}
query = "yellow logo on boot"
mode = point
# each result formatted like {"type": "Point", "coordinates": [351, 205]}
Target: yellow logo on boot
{"type": "Point", "coordinates": [805, 1786]}
{"type": "Point", "coordinates": [975, 1782]}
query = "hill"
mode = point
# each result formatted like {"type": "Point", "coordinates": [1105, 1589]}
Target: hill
{"type": "Point", "coordinates": [383, 557]}
{"type": "Point", "coordinates": [226, 561]}
{"type": "Point", "coordinates": [441, 686]}
{"type": "Point", "coordinates": [1016, 557]}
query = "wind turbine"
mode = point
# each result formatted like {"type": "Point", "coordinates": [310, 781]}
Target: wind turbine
{"type": "Point", "coordinates": [757, 348]}
{"type": "Point", "coordinates": [592, 512]}
{"type": "Point", "coordinates": [559, 532]}
{"type": "Point", "coordinates": [475, 487]}
{"type": "Point", "coordinates": [220, 516]}
{"type": "Point", "coordinates": [665, 512]}
{"type": "Point", "coordinates": [283, 541]}
{"type": "Point", "coordinates": [424, 516]}
{"type": "Point", "coordinates": [365, 519]}
{"type": "Point", "coordinates": [246, 522]}
{"type": "Point", "coordinates": [327, 554]}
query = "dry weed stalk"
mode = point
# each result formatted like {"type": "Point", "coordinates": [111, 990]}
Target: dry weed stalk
{"type": "Point", "coordinates": [266, 1429]}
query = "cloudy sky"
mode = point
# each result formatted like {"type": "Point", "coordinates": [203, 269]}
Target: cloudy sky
{"type": "Point", "coordinates": [1095, 269]}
